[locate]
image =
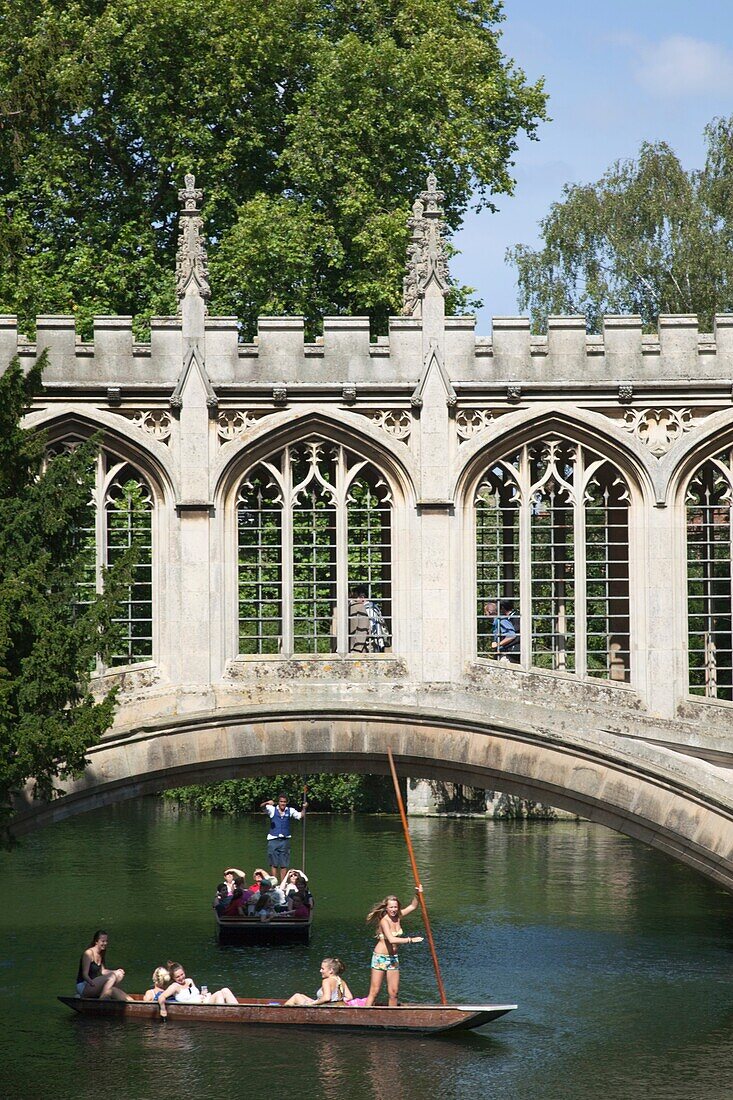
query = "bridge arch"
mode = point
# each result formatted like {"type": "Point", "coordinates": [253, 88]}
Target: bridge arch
{"type": "Point", "coordinates": [680, 806]}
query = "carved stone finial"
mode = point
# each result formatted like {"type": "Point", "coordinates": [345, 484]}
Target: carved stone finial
{"type": "Point", "coordinates": [426, 255]}
{"type": "Point", "coordinates": [191, 259]}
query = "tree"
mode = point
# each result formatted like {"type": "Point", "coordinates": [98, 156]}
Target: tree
{"type": "Point", "coordinates": [647, 238]}
{"type": "Point", "coordinates": [326, 793]}
{"type": "Point", "coordinates": [311, 125]}
{"type": "Point", "coordinates": [48, 639]}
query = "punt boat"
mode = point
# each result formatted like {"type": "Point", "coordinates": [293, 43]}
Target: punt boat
{"type": "Point", "coordinates": [434, 1019]}
{"type": "Point", "coordinates": [282, 929]}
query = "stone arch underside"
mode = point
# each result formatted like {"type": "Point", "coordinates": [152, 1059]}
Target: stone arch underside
{"type": "Point", "coordinates": [679, 805]}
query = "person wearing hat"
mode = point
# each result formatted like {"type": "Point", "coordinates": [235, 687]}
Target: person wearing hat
{"type": "Point", "coordinates": [278, 836]}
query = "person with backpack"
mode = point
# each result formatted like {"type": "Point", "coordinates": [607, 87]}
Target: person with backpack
{"type": "Point", "coordinates": [505, 630]}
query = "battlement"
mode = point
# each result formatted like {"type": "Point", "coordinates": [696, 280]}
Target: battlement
{"type": "Point", "coordinates": [346, 353]}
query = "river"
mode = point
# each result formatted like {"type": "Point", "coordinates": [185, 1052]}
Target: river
{"type": "Point", "coordinates": [620, 960]}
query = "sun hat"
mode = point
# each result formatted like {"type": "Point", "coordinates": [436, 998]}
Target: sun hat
{"type": "Point", "coordinates": [235, 871]}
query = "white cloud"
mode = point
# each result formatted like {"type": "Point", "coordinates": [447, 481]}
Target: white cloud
{"type": "Point", "coordinates": [679, 66]}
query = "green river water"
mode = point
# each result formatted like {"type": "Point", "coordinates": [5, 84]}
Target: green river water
{"type": "Point", "coordinates": [621, 962]}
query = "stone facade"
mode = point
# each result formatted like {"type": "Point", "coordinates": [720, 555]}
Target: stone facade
{"type": "Point", "coordinates": [461, 447]}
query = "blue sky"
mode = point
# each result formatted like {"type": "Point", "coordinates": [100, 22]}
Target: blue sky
{"type": "Point", "coordinates": [617, 74]}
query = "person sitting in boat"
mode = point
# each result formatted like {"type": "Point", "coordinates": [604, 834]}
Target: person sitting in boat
{"type": "Point", "coordinates": [94, 979]}
{"type": "Point", "coordinates": [161, 980]}
{"type": "Point", "coordinates": [264, 906]}
{"type": "Point", "coordinates": [231, 875]}
{"type": "Point", "coordinates": [295, 882]}
{"type": "Point", "coordinates": [236, 905]}
{"type": "Point", "coordinates": [387, 916]}
{"type": "Point", "coordinates": [184, 990]}
{"type": "Point", "coordinates": [333, 991]}
{"type": "Point", "coordinates": [222, 899]}
{"type": "Point", "coordinates": [298, 907]}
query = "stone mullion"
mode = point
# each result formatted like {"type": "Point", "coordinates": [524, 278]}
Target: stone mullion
{"type": "Point", "coordinates": [525, 561]}
{"type": "Point", "coordinates": [287, 595]}
{"type": "Point", "coordinates": [100, 534]}
{"type": "Point", "coordinates": [580, 610]}
{"type": "Point", "coordinates": [342, 555]}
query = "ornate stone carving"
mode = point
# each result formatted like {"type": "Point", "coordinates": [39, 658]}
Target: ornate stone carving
{"type": "Point", "coordinates": [280, 395]}
{"type": "Point", "coordinates": [396, 422]}
{"type": "Point", "coordinates": [348, 394]}
{"type": "Point", "coordinates": [156, 422]}
{"type": "Point", "coordinates": [470, 422]}
{"type": "Point", "coordinates": [514, 392]}
{"type": "Point", "coordinates": [114, 395]}
{"type": "Point", "coordinates": [426, 254]}
{"type": "Point", "coordinates": [658, 429]}
{"type": "Point", "coordinates": [191, 259]}
{"type": "Point", "coordinates": [625, 393]}
{"type": "Point", "coordinates": [234, 422]}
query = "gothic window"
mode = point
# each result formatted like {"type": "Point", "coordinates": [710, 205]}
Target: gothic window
{"type": "Point", "coordinates": [552, 561]}
{"type": "Point", "coordinates": [120, 517]}
{"type": "Point", "coordinates": [709, 588]}
{"type": "Point", "coordinates": [314, 525]}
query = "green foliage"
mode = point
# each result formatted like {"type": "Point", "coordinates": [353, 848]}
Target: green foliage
{"type": "Point", "coordinates": [48, 637]}
{"type": "Point", "coordinates": [311, 125]}
{"type": "Point", "coordinates": [647, 238]}
{"type": "Point", "coordinates": [335, 793]}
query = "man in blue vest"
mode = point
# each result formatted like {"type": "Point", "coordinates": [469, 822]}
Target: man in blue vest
{"type": "Point", "coordinates": [278, 838]}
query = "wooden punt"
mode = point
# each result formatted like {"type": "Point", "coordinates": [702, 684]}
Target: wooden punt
{"type": "Point", "coordinates": [425, 1019]}
{"type": "Point", "coordinates": [253, 930]}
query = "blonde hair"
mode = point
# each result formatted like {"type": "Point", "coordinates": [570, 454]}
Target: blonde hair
{"type": "Point", "coordinates": [161, 976]}
{"type": "Point", "coordinates": [379, 911]}
{"type": "Point", "coordinates": [335, 965]}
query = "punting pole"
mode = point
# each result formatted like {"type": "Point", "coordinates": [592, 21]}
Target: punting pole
{"type": "Point", "coordinates": [305, 792]}
{"type": "Point", "coordinates": [416, 874]}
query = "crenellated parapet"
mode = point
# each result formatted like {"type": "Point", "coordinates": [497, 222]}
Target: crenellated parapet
{"type": "Point", "coordinates": [677, 352]}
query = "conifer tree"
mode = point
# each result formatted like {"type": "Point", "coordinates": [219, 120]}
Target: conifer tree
{"type": "Point", "coordinates": [48, 640]}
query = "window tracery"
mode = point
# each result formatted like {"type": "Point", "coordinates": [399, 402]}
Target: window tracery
{"type": "Point", "coordinates": [709, 585]}
{"type": "Point", "coordinates": [552, 560]}
{"type": "Point", "coordinates": [120, 519]}
{"type": "Point", "coordinates": [314, 528]}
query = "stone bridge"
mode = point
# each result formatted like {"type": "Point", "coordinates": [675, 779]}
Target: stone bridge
{"type": "Point", "coordinates": [510, 559]}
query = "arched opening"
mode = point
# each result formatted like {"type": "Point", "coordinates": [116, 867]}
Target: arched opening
{"type": "Point", "coordinates": [314, 552]}
{"type": "Point", "coordinates": [551, 521]}
{"type": "Point", "coordinates": [709, 577]}
{"type": "Point", "coordinates": [120, 521]}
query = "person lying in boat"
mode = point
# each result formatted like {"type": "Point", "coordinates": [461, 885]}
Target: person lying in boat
{"type": "Point", "coordinates": [185, 991]}
{"type": "Point", "coordinates": [94, 979]}
{"type": "Point", "coordinates": [161, 980]}
{"type": "Point", "coordinates": [334, 991]}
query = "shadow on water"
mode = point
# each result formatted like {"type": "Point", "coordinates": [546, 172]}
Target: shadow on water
{"type": "Point", "coordinates": [619, 959]}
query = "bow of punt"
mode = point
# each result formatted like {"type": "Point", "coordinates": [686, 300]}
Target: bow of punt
{"type": "Point", "coordinates": [427, 1019]}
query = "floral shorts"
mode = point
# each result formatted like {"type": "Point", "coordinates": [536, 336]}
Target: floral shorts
{"type": "Point", "coordinates": [385, 962]}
